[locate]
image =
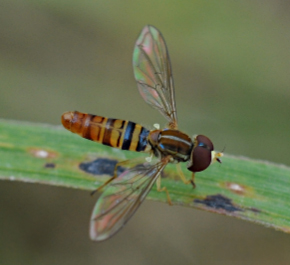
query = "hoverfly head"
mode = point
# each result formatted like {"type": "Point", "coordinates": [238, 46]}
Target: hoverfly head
{"type": "Point", "coordinates": [202, 154]}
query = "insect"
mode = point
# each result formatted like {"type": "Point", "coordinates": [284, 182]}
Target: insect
{"type": "Point", "coordinates": [124, 193]}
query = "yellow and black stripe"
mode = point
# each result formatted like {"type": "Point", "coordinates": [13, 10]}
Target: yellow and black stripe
{"type": "Point", "coordinates": [122, 134]}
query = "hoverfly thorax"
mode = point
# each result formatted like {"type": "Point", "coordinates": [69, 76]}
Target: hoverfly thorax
{"type": "Point", "coordinates": [170, 142]}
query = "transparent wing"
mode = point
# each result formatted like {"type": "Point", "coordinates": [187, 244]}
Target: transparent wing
{"type": "Point", "coordinates": [122, 197]}
{"type": "Point", "coordinates": [152, 71]}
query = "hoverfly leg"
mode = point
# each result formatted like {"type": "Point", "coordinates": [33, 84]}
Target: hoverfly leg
{"type": "Point", "coordinates": [110, 179]}
{"type": "Point", "coordinates": [158, 183]}
{"type": "Point", "coordinates": [103, 185]}
{"type": "Point", "coordinates": [192, 180]}
{"type": "Point", "coordinates": [181, 175]}
{"type": "Point", "coordinates": [183, 178]}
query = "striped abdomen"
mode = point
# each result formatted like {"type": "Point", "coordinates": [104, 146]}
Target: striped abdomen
{"type": "Point", "coordinates": [121, 134]}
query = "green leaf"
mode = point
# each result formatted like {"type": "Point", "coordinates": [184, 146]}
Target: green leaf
{"type": "Point", "coordinates": [253, 190]}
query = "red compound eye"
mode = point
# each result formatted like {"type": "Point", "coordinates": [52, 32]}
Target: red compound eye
{"type": "Point", "coordinates": [200, 157]}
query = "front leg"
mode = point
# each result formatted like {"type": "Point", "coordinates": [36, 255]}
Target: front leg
{"type": "Point", "coordinates": [183, 178]}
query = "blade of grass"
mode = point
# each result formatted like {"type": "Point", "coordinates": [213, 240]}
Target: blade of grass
{"type": "Point", "coordinates": [248, 189]}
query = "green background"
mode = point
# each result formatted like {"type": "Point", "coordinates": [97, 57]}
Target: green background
{"type": "Point", "coordinates": [230, 62]}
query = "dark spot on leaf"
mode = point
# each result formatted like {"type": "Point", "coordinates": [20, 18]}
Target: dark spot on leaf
{"type": "Point", "coordinates": [101, 166]}
{"type": "Point", "coordinates": [219, 202]}
{"type": "Point", "coordinates": [49, 165]}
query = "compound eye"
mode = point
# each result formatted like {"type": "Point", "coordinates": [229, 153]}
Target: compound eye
{"type": "Point", "coordinates": [201, 154]}
{"type": "Point", "coordinates": [200, 159]}
{"type": "Point", "coordinates": [204, 141]}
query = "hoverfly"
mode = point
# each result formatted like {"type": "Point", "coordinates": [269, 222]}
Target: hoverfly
{"type": "Point", "coordinates": [124, 192]}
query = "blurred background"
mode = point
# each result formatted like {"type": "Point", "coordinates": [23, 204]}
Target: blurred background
{"type": "Point", "coordinates": [230, 62]}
